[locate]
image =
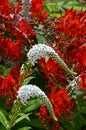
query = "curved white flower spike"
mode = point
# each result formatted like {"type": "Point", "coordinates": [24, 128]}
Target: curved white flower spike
{"type": "Point", "coordinates": [41, 50]}
{"type": "Point", "coordinates": [27, 92]}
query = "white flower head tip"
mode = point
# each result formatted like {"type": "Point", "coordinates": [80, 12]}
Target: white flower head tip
{"type": "Point", "coordinates": [38, 51]}
{"type": "Point", "coordinates": [41, 50]}
{"type": "Point", "coordinates": [27, 92]}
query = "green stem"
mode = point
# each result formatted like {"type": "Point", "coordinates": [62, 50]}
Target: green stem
{"type": "Point", "coordinates": [17, 105]}
{"type": "Point", "coordinates": [14, 114]}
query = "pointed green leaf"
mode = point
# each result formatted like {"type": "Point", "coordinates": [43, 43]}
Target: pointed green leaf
{"type": "Point", "coordinates": [27, 80]}
{"type": "Point", "coordinates": [32, 105]}
{"type": "Point", "coordinates": [3, 119]}
{"type": "Point", "coordinates": [21, 117]}
{"type": "Point", "coordinates": [36, 123]}
{"type": "Point", "coordinates": [41, 39]}
{"type": "Point", "coordinates": [76, 113]}
{"type": "Point", "coordinates": [25, 128]}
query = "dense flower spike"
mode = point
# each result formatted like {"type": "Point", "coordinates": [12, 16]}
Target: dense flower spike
{"type": "Point", "coordinates": [39, 51]}
{"type": "Point", "coordinates": [27, 92]}
{"type": "Point", "coordinates": [42, 50]}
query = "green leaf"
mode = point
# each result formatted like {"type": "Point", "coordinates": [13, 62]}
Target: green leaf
{"type": "Point", "coordinates": [3, 119]}
{"type": "Point", "coordinates": [76, 113]}
{"type": "Point", "coordinates": [36, 123]}
{"type": "Point", "coordinates": [27, 80]}
{"type": "Point", "coordinates": [33, 105]}
{"type": "Point", "coordinates": [82, 120]}
{"type": "Point", "coordinates": [25, 128]}
{"type": "Point", "coordinates": [2, 127]}
{"type": "Point", "coordinates": [21, 117]}
{"type": "Point", "coordinates": [41, 39]}
{"type": "Point", "coordinates": [61, 128]}
{"type": "Point", "coordinates": [4, 70]}
{"type": "Point", "coordinates": [83, 110]}
{"type": "Point", "coordinates": [49, 7]}
{"type": "Point", "coordinates": [79, 122]}
{"type": "Point", "coordinates": [34, 101]}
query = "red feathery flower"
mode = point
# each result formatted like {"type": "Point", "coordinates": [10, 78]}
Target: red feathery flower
{"type": "Point", "coordinates": [54, 73]}
{"type": "Point", "coordinates": [80, 59]}
{"type": "Point", "coordinates": [9, 87]}
{"type": "Point", "coordinates": [9, 49]}
{"type": "Point", "coordinates": [82, 83]}
{"type": "Point", "coordinates": [5, 8]}
{"type": "Point", "coordinates": [61, 102]}
{"type": "Point", "coordinates": [37, 11]}
{"type": "Point", "coordinates": [10, 84]}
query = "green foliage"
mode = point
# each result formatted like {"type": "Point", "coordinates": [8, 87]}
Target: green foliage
{"type": "Point", "coordinates": [2, 127]}
{"type": "Point", "coordinates": [41, 38]}
{"type": "Point", "coordinates": [39, 79]}
{"type": "Point", "coordinates": [36, 123]}
{"type": "Point", "coordinates": [78, 120]}
{"type": "Point", "coordinates": [25, 128]}
{"type": "Point", "coordinates": [3, 105]}
{"type": "Point", "coordinates": [27, 80]}
{"type": "Point", "coordinates": [21, 117]}
{"type": "Point", "coordinates": [33, 104]}
{"type": "Point", "coordinates": [4, 70]}
{"type": "Point", "coordinates": [55, 7]}
{"type": "Point", "coordinates": [3, 119]}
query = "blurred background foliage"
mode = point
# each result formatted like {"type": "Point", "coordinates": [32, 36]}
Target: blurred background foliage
{"type": "Point", "coordinates": [57, 7]}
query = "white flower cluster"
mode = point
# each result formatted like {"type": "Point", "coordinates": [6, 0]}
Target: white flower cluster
{"type": "Point", "coordinates": [38, 51]}
{"type": "Point", "coordinates": [41, 50]}
{"type": "Point", "coordinates": [26, 7]}
{"type": "Point", "coordinates": [27, 92]}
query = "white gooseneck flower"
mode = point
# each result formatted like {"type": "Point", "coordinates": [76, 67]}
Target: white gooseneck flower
{"type": "Point", "coordinates": [27, 92]}
{"type": "Point", "coordinates": [41, 50]}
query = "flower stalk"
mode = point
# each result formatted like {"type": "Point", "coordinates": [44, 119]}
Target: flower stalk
{"type": "Point", "coordinates": [16, 109]}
